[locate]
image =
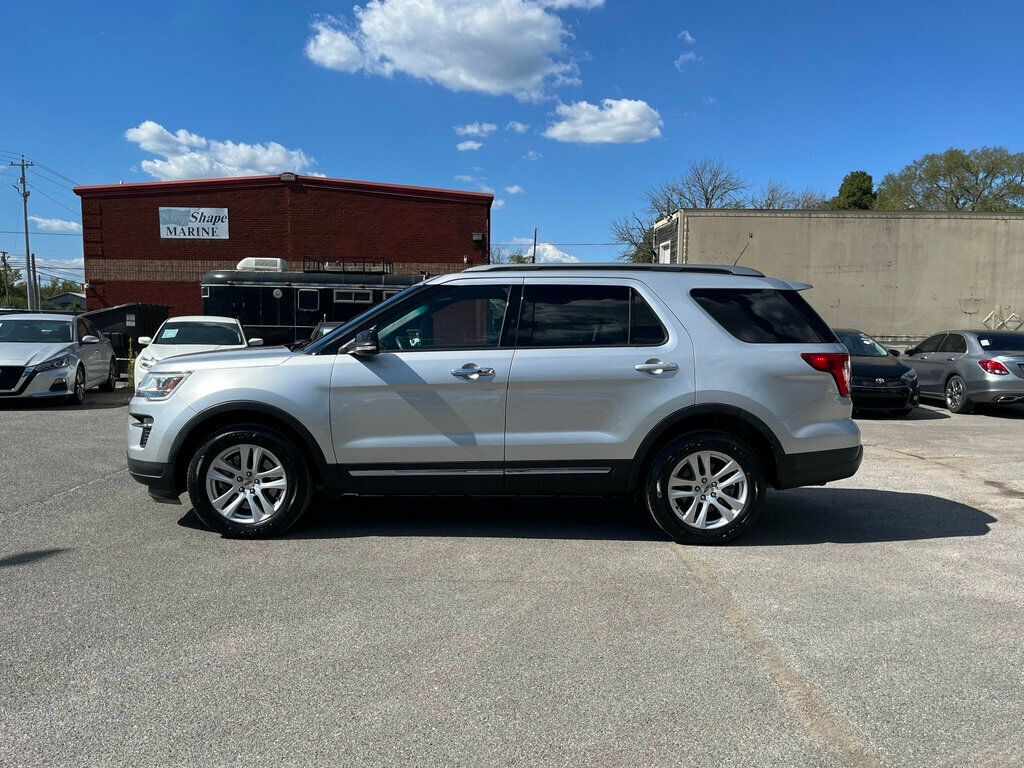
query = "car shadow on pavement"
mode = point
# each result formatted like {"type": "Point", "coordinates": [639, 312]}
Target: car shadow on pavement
{"type": "Point", "coordinates": [119, 398]}
{"type": "Point", "coordinates": [861, 516]}
{"type": "Point", "coordinates": [31, 556]}
{"type": "Point", "coordinates": [918, 414]}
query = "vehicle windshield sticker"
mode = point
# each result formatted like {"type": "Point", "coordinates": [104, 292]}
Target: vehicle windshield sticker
{"type": "Point", "coordinates": [170, 333]}
{"type": "Point", "coordinates": [985, 342]}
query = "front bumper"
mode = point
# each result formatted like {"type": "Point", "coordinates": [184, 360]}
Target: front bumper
{"type": "Point", "coordinates": [56, 382]}
{"type": "Point", "coordinates": [817, 467]}
{"type": "Point", "coordinates": [158, 477]}
{"type": "Point", "coordinates": [885, 397]}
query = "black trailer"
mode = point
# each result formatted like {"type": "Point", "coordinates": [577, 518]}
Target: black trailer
{"type": "Point", "coordinates": [283, 307]}
{"type": "Point", "coordinates": [124, 324]}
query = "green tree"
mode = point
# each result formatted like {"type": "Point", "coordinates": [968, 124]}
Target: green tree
{"type": "Point", "coordinates": [12, 288]}
{"type": "Point", "coordinates": [505, 256]}
{"type": "Point", "coordinates": [636, 235]}
{"type": "Point", "coordinates": [985, 179]}
{"type": "Point", "coordinates": [856, 193]}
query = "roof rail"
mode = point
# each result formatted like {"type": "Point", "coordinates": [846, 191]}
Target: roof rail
{"type": "Point", "coordinates": [712, 269]}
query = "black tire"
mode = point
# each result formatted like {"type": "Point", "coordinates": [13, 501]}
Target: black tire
{"type": "Point", "coordinates": [77, 396]}
{"type": "Point", "coordinates": [294, 499]}
{"type": "Point", "coordinates": [961, 403]}
{"type": "Point", "coordinates": [111, 383]}
{"type": "Point", "coordinates": [664, 511]}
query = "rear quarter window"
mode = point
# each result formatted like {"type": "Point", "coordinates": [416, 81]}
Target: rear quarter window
{"type": "Point", "coordinates": [764, 315]}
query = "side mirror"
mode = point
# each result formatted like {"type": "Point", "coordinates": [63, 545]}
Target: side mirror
{"type": "Point", "coordinates": [144, 340]}
{"type": "Point", "coordinates": [894, 352]}
{"type": "Point", "coordinates": [366, 343]}
{"type": "Point", "coordinates": [255, 342]}
{"type": "Point", "coordinates": [90, 340]}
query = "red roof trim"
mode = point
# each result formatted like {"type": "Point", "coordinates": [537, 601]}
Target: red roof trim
{"type": "Point", "coordinates": [251, 182]}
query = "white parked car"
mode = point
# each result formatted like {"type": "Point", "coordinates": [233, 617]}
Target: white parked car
{"type": "Point", "coordinates": [56, 356]}
{"type": "Point", "coordinates": [188, 335]}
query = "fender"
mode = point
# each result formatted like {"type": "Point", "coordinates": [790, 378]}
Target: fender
{"type": "Point", "coordinates": [327, 476]}
{"type": "Point", "coordinates": [703, 409]}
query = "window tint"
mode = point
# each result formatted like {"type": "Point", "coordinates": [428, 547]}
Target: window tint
{"type": "Point", "coordinates": [1002, 342]}
{"type": "Point", "coordinates": [587, 316]}
{"type": "Point", "coordinates": [195, 332]}
{"type": "Point", "coordinates": [459, 317]}
{"type": "Point", "coordinates": [930, 344]}
{"type": "Point", "coordinates": [954, 343]}
{"type": "Point", "coordinates": [14, 330]}
{"type": "Point", "coordinates": [83, 330]}
{"type": "Point", "coordinates": [764, 316]}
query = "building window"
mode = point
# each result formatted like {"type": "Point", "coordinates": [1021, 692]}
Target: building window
{"type": "Point", "coordinates": [205, 291]}
{"type": "Point", "coordinates": [309, 300]}
{"type": "Point", "coordinates": [665, 253]}
{"type": "Point", "coordinates": [346, 296]}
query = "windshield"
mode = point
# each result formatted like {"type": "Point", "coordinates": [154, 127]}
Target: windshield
{"type": "Point", "coordinates": [1002, 342]}
{"type": "Point", "coordinates": [34, 331]}
{"type": "Point", "coordinates": [324, 342]}
{"type": "Point", "coordinates": [861, 345]}
{"type": "Point", "coordinates": [193, 332]}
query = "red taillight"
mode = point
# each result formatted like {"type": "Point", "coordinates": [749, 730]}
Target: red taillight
{"type": "Point", "coordinates": [994, 366]}
{"type": "Point", "coordinates": [836, 363]}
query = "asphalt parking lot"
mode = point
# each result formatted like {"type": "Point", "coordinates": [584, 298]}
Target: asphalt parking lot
{"type": "Point", "coordinates": [877, 621]}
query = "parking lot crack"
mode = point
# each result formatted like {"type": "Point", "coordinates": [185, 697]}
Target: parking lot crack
{"type": "Point", "coordinates": [72, 489]}
{"type": "Point", "coordinates": [802, 699]}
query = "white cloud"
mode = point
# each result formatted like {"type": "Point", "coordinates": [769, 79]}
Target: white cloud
{"type": "Point", "coordinates": [686, 58]}
{"type": "Point", "coordinates": [189, 156]}
{"type": "Point", "coordinates": [476, 129]}
{"type": "Point", "coordinates": [333, 49]}
{"type": "Point", "coordinates": [498, 203]}
{"type": "Point", "coordinates": [687, 38]}
{"type": "Point", "coordinates": [546, 252]}
{"type": "Point", "coordinates": [55, 225]}
{"type": "Point", "coordinates": [515, 189]}
{"type": "Point", "coordinates": [516, 127]}
{"type": "Point", "coordinates": [709, 100]}
{"type": "Point", "coordinates": [495, 47]}
{"type": "Point", "coordinates": [468, 146]}
{"type": "Point", "coordinates": [616, 121]}
{"type": "Point", "coordinates": [465, 178]}
{"type": "Point", "coordinates": [531, 155]}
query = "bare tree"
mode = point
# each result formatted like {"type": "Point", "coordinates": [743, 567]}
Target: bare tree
{"type": "Point", "coordinates": [707, 183]}
{"type": "Point", "coordinates": [636, 235]}
{"type": "Point", "coordinates": [776, 196]}
{"type": "Point", "coordinates": [501, 255]}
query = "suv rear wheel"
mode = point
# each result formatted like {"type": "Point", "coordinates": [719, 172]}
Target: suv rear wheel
{"type": "Point", "coordinates": [249, 481]}
{"type": "Point", "coordinates": [705, 488]}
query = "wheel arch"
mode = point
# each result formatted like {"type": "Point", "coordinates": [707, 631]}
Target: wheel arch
{"type": "Point", "coordinates": [710, 416]}
{"type": "Point", "coordinates": [246, 412]}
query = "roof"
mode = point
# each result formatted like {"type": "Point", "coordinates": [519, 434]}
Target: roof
{"type": "Point", "coordinates": [76, 294]}
{"type": "Point", "coordinates": [800, 213]}
{"type": "Point", "coordinates": [202, 319]}
{"type": "Point", "coordinates": [42, 316]}
{"type": "Point", "coordinates": [327, 279]}
{"type": "Point", "coordinates": [284, 179]}
{"type": "Point", "coordinates": [713, 269]}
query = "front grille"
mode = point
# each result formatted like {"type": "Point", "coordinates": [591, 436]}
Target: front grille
{"type": "Point", "coordinates": [869, 381]}
{"type": "Point", "coordinates": [145, 436]}
{"type": "Point", "coordinates": [9, 375]}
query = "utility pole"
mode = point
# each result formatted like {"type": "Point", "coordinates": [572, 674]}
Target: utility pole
{"type": "Point", "coordinates": [7, 288]}
{"type": "Point", "coordinates": [35, 284]}
{"type": "Point", "coordinates": [24, 208]}
{"type": "Point", "coordinates": [533, 253]}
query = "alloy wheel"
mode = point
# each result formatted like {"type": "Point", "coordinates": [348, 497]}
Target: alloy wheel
{"type": "Point", "coordinates": [707, 490]}
{"type": "Point", "coordinates": [954, 393]}
{"type": "Point", "coordinates": [246, 484]}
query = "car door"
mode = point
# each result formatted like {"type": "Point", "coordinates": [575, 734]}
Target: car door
{"type": "Point", "coordinates": [596, 367]}
{"type": "Point", "coordinates": [90, 354]}
{"type": "Point", "coordinates": [927, 364]}
{"type": "Point", "coordinates": [950, 351]}
{"type": "Point", "coordinates": [427, 413]}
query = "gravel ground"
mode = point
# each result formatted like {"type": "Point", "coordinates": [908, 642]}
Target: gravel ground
{"type": "Point", "coordinates": [877, 621]}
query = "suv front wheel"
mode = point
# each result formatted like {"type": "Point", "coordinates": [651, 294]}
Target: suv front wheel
{"type": "Point", "coordinates": [249, 481]}
{"type": "Point", "coordinates": [705, 488]}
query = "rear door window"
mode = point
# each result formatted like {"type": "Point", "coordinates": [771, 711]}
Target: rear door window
{"type": "Point", "coordinates": [764, 316]}
{"type": "Point", "coordinates": [587, 316]}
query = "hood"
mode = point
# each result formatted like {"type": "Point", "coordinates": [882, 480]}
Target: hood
{"type": "Point", "coordinates": [163, 351]}
{"type": "Point", "coordinates": [887, 367]}
{"type": "Point", "coordinates": [16, 353]}
{"type": "Point", "coordinates": [248, 357]}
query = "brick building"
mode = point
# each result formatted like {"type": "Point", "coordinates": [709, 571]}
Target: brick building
{"type": "Point", "coordinates": [152, 242]}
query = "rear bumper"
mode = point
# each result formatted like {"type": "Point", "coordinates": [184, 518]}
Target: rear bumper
{"type": "Point", "coordinates": [158, 477]}
{"type": "Point", "coordinates": [817, 467]}
{"type": "Point", "coordinates": [1008, 391]}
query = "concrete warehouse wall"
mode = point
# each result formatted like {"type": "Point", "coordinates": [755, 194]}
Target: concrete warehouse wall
{"type": "Point", "coordinates": [889, 274]}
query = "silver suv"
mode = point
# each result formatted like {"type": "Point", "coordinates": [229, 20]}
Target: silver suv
{"type": "Point", "coordinates": [693, 387]}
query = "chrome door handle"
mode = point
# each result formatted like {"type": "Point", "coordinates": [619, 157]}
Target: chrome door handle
{"type": "Point", "coordinates": [950, 359]}
{"type": "Point", "coordinates": [655, 366]}
{"type": "Point", "coordinates": [471, 372]}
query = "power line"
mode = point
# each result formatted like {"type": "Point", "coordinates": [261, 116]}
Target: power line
{"type": "Point", "coordinates": [54, 200]}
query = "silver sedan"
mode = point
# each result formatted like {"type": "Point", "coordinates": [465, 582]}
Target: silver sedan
{"type": "Point", "coordinates": [53, 356]}
{"type": "Point", "coordinates": [969, 367]}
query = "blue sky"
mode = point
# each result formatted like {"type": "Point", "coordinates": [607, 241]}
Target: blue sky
{"type": "Point", "coordinates": [799, 92]}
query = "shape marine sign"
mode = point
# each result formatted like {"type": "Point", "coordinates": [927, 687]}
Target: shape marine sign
{"type": "Point", "coordinates": [194, 223]}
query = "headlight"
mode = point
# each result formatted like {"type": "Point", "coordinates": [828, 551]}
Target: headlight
{"type": "Point", "coordinates": [910, 375]}
{"type": "Point", "coordinates": [57, 362]}
{"type": "Point", "coordinates": [147, 362]}
{"type": "Point", "coordinates": [160, 386]}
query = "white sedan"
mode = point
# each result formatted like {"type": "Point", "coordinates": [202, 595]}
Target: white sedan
{"type": "Point", "coordinates": [188, 335]}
